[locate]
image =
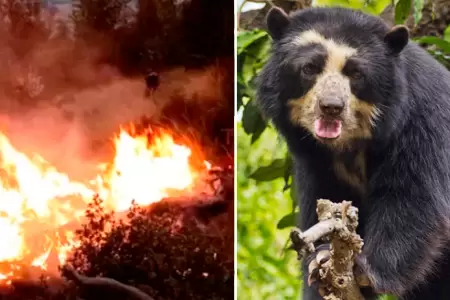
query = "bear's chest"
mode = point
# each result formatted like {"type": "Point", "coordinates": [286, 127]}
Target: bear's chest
{"type": "Point", "coordinates": [351, 169]}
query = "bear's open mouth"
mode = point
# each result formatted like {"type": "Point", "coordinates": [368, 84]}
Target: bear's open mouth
{"type": "Point", "coordinates": [327, 129]}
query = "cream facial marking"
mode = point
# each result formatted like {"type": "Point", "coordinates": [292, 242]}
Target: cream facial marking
{"type": "Point", "coordinates": [338, 53]}
{"type": "Point", "coordinates": [357, 117]}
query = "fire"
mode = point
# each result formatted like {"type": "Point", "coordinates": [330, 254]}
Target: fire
{"type": "Point", "coordinates": [137, 168]}
{"type": "Point", "coordinates": [36, 200]}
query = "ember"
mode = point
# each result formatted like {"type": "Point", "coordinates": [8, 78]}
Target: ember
{"type": "Point", "coordinates": [39, 206]}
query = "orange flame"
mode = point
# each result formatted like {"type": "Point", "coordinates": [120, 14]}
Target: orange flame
{"type": "Point", "coordinates": [36, 199]}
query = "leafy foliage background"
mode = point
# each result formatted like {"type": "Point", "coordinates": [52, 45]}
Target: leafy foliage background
{"type": "Point", "coordinates": [265, 205]}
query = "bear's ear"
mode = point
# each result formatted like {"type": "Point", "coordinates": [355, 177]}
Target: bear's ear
{"type": "Point", "coordinates": [397, 38]}
{"type": "Point", "coordinates": [277, 21]}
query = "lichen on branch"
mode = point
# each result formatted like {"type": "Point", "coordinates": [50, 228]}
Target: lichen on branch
{"type": "Point", "coordinates": [337, 224]}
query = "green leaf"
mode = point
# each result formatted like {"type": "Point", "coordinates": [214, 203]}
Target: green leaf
{"type": "Point", "coordinates": [402, 9]}
{"type": "Point", "coordinates": [252, 84]}
{"type": "Point", "coordinates": [252, 121]}
{"type": "Point", "coordinates": [287, 221]}
{"type": "Point", "coordinates": [292, 192]}
{"type": "Point", "coordinates": [248, 71]}
{"type": "Point", "coordinates": [447, 34]}
{"type": "Point", "coordinates": [252, 60]}
{"type": "Point", "coordinates": [246, 38]}
{"type": "Point", "coordinates": [293, 195]}
{"type": "Point", "coordinates": [258, 131]}
{"type": "Point", "coordinates": [388, 297]}
{"type": "Point", "coordinates": [432, 40]}
{"type": "Point", "coordinates": [418, 7]}
{"type": "Point", "coordinates": [287, 171]}
{"type": "Point", "coordinates": [268, 173]}
{"type": "Point", "coordinates": [240, 91]}
{"type": "Point", "coordinates": [260, 50]}
{"type": "Point", "coordinates": [440, 56]}
{"type": "Point", "coordinates": [240, 60]}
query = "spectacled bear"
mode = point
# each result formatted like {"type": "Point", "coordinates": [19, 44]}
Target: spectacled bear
{"type": "Point", "coordinates": [366, 116]}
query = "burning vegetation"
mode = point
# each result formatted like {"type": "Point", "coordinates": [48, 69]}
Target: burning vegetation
{"type": "Point", "coordinates": [102, 173]}
{"type": "Point", "coordinates": [121, 237]}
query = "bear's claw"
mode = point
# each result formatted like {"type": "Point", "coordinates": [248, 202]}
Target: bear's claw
{"type": "Point", "coordinates": [318, 259]}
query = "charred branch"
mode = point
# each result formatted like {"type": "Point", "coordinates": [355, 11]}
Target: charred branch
{"type": "Point", "coordinates": [103, 282]}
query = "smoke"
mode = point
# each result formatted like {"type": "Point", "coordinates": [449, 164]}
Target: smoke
{"type": "Point", "coordinates": [66, 107]}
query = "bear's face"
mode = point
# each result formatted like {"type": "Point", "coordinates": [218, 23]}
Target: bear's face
{"type": "Point", "coordinates": [335, 72]}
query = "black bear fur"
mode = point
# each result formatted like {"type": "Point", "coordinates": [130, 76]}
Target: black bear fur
{"type": "Point", "coordinates": [404, 216]}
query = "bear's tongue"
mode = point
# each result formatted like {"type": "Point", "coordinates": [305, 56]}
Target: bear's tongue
{"type": "Point", "coordinates": [327, 129]}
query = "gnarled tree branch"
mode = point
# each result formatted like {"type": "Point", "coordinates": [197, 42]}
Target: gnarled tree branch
{"type": "Point", "coordinates": [337, 222]}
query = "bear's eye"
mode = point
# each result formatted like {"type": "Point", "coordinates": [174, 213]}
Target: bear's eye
{"type": "Point", "coordinates": [356, 75]}
{"type": "Point", "coordinates": [310, 69]}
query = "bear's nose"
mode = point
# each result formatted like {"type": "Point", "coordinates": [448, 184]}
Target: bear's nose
{"type": "Point", "coordinates": [332, 107]}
